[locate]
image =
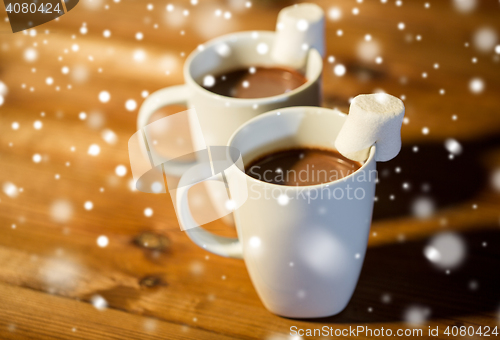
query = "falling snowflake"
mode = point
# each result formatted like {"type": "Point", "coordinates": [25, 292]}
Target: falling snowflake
{"type": "Point", "coordinates": [446, 250]}
{"type": "Point", "coordinates": [223, 50]}
{"type": "Point", "coordinates": [416, 315]}
{"type": "Point", "coordinates": [30, 54]}
{"type": "Point", "coordinates": [10, 189]}
{"type": "Point", "coordinates": [368, 50]}
{"type": "Point", "coordinates": [386, 298]}
{"type": "Point", "coordinates": [99, 302]}
{"type": "Point", "coordinates": [209, 81]}
{"type": "Point", "coordinates": [230, 205]}
{"type": "Point", "coordinates": [61, 211]}
{"type": "Point", "coordinates": [262, 48]}
{"type": "Point", "coordinates": [94, 150]}
{"type": "Point", "coordinates": [130, 105]}
{"type": "Point", "coordinates": [254, 242]}
{"type": "Point", "coordinates": [495, 180]}
{"type": "Point", "coordinates": [88, 205]}
{"type": "Point", "coordinates": [148, 212]}
{"type": "Point", "coordinates": [473, 285]}
{"type": "Point", "coordinates": [121, 170]}
{"type": "Point", "coordinates": [156, 187]}
{"type": "Point", "coordinates": [104, 96]}
{"type": "Point", "coordinates": [453, 146]}
{"type": "Point", "coordinates": [109, 136]}
{"type": "Point", "coordinates": [339, 70]}
{"type": "Point", "coordinates": [476, 85]}
{"type": "Point", "coordinates": [485, 39]}
{"type": "Point", "coordinates": [79, 74]}
{"type": "Point", "coordinates": [3, 89]}
{"type": "Point", "coordinates": [37, 158]}
{"type": "Point", "coordinates": [334, 13]}
{"type": "Point", "coordinates": [102, 241]}
{"type": "Point", "coordinates": [423, 207]}
{"type": "Point", "coordinates": [283, 199]}
{"type": "Point", "coordinates": [139, 55]}
{"type": "Point", "coordinates": [465, 6]}
{"type": "Point", "coordinates": [302, 25]}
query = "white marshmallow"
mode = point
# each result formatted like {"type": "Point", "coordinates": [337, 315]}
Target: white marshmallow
{"type": "Point", "coordinates": [299, 28]}
{"type": "Point", "coordinates": [373, 119]}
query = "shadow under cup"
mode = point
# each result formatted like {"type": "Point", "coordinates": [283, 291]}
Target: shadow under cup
{"type": "Point", "coordinates": [303, 246]}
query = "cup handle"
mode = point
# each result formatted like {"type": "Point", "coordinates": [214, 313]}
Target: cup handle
{"type": "Point", "coordinates": [219, 245]}
{"type": "Point", "coordinates": [173, 95]}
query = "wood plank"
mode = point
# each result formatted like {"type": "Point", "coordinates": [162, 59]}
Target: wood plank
{"type": "Point", "coordinates": [32, 314]}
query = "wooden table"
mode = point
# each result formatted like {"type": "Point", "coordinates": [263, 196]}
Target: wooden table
{"type": "Point", "coordinates": [54, 278]}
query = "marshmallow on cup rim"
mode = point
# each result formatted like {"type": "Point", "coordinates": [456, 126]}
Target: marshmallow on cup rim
{"type": "Point", "coordinates": [373, 119]}
{"type": "Point", "coordinates": [300, 27]}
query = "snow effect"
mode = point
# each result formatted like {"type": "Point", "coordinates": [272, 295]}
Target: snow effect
{"type": "Point", "coordinates": [10, 189]}
{"type": "Point", "coordinates": [121, 170]}
{"type": "Point", "coordinates": [339, 70]}
{"type": "Point", "coordinates": [99, 302]}
{"type": "Point", "coordinates": [465, 6]}
{"type": "Point", "coordinates": [446, 250]}
{"type": "Point", "coordinates": [88, 205]}
{"type": "Point", "coordinates": [334, 13]}
{"type": "Point", "coordinates": [476, 85]}
{"type": "Point", "coordinates": [209, 81]}
{"type": "Point", "coordinates": [104, 96]}
{"type": "Point", "coordinates": [94, 150]}
{"type": "Point", "coordinates": [131, 105]}
{"type": "Point", "coordinates": [109, 136]}
{"type": "Point", "coordinates": [453, 146]}
{"type": "Point", "coordinates": [416, 315]}
{"type": "Point", "coordinates": [61, 210]}
{"type": "Point", "coordinates": [485, 39]}
{"type": "Point", "coordinates": [254, 242]}
{"type": "Point", "coordinates": [30, 54]}
{"type": "Point", "coordinates": [102, 241]}
{"type": "Point", "coordinates": [423, 207]}
{"type": "Point", "coordinates": [262, 48]}
{"type": "Point", "coordinates": [148, 212]}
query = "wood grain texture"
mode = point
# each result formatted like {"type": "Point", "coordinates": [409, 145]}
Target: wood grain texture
{"type": "Point", "coordinates": [156, 282]}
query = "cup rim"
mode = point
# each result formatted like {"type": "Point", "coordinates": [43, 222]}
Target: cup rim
{"type": "Point", "coordinates": [292, 110]}
{"type": "Point", "coordinates": [263, 100]}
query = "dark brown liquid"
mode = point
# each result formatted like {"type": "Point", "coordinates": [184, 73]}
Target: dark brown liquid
{"type": "Point", "coordinates": [304, 166]}
{"type": "Point", "coordinates": [256, 82]}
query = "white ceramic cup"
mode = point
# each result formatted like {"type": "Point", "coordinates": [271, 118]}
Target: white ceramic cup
{"type": "Point", "coordinates": [219, 116]}
{"type": "Point", "coordinates": [303, 246]}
